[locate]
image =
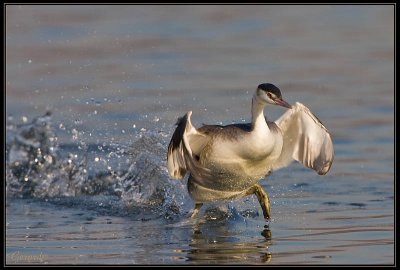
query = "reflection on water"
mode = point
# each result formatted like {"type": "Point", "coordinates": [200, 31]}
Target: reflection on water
{"type": "Point", "coordinates": [217, 241]}
{"type": "Point", "coordinates": [87, 183]}
{"type": "Point", "coordinates": [80, 236]}
{"type": "Point", "coordinates": [204, 250]}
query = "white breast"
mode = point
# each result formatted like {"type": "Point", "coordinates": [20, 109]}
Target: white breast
{"type": "Point", "coordinates": [238, 164]}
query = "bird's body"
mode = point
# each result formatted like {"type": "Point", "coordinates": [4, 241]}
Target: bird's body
{"type": "Point", "coordinates": [227, 162]}
{"type": "Point", "coordinates": [237, 156]}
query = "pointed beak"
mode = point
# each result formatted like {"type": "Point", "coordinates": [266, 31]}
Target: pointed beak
{"type": "Point", "coordinates": [282, 103]}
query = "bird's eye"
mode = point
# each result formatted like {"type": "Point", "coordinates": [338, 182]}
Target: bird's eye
{"type": "Point", "coordinates": [269, 95]}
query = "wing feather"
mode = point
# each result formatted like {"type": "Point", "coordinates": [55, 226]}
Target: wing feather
{"type": "Point", "coordinates": [305, 139]}
{"type": "Point", "coordinates": [184, 148]}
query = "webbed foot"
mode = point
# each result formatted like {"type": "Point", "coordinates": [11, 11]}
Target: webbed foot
{"type": "Point", "coordinates": [262, 199]}
{"type": "Point", "coordinates": [196, 209]}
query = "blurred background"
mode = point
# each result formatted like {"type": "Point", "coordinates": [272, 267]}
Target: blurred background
{"type": "Point", "coordinates": [103, 69]}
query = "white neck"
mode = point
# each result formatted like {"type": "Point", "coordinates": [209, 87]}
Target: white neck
{"type": "Point", "coordinates": [257, 114]}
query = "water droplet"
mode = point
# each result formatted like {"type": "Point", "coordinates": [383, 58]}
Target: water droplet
{"type": "Point", "coordinates": [24, 119]}
{"type": "Point", "coordinates": [49, 159]}
{"type": "Point", "coordinates": [96, 159]}
{"type": "Point", "coordinates": [74, 134]}
{"type": "Point", "coordinates": [134, 126]}
{"type": "Point", "coordinates": [30, 61]}
{"type": "Point", "coordinates": [123, 131]}
{"type": "Point", "coordinates": [26, 178]}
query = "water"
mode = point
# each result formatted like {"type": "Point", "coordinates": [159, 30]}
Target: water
{"type": "Point", "coordinates": [92, 93]}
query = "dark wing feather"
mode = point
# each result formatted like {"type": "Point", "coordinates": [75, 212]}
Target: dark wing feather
{"type": "Point", "coordinates": [184, 148]}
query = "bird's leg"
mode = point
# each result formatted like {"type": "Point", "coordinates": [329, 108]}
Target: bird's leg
{"type": "Point", "coordinates": [196, 209]}
{"type": "Point", "coordinates": [262, 199]}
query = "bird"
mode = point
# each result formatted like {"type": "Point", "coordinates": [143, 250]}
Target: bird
{"type": "Point", "coordinates": [227, 162]}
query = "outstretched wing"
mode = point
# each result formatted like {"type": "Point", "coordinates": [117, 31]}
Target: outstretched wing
{"type": "Point", "coordinates": [305, 139]}
{"type": "Point", "coordinates": [184, 149]}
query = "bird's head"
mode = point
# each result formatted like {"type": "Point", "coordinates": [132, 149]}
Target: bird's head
{"type": "Point", "coordinates": [269, 93]}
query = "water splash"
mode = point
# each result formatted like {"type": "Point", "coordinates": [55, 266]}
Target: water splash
{"type": "Point", "coordinates": [146, 183]}
{"type": "Point", "coordinates": [37, 167]}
